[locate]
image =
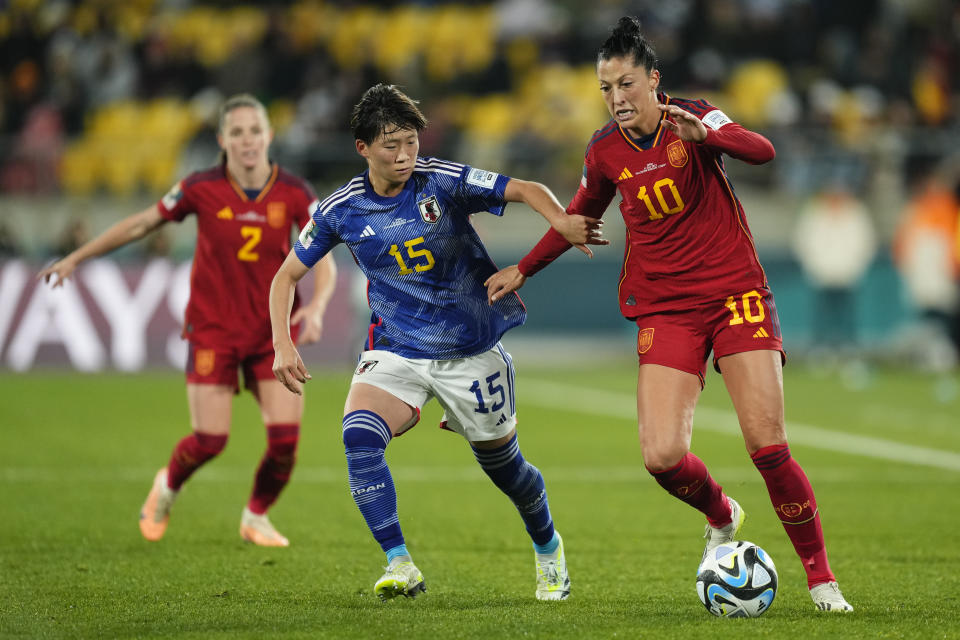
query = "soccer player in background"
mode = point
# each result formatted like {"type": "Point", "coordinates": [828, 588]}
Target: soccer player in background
{"type": "Point", "coordinates": [247, 209]}
{"type": "Point", "coordinates": [692, 282]}
{"type": "Point", "coordinates": [432, 334]}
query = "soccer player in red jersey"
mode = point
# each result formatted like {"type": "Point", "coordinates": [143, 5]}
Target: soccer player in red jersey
{"type": "Point", "coordinates": [247, 208]}
{"type": "Point", "coordinates": [692, 282]}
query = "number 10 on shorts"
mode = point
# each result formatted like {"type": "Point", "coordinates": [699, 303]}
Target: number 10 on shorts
{"type": "Point", "coordinates": [492, 390]}
{"type": "Point", "coordinates": [748, 301]}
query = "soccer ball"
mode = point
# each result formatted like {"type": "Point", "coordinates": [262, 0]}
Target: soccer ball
{"type": "Point", "coordinates": [737, 580]}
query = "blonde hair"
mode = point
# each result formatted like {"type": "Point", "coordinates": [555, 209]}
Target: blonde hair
{"type": "Point", "coordinates": [240, 100]}
{"type": "Point", "coordinates": [235, 102]}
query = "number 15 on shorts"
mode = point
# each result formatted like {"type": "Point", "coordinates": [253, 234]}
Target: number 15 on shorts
{"type": "Point", "coordinates": [494, 393]}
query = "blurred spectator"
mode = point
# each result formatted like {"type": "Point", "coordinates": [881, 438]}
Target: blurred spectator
{"type": "Point", "coordinates": [835, 242]}
{"type": "Point", "coordinates": [925, 250]}
{"type": "Point", "coordinates": [33, 161]}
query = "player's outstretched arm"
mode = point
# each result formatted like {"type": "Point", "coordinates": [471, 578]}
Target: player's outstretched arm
{"type": "Point", "coordinates": [311, 314]}
{"type": "Point", "coordinates": [504, 282]}
{"type": "Point", "coordinates": [287, 365]}
{"type": "Point", "coordinates": [576, 229]}
{"type": "Point", "coordinates": [127, 230]}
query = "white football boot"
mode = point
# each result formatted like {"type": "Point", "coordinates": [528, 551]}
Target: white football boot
{"type": "Point", "coordinates": [553, 582]}
{"type": "Point", "coordinates": [827, 597]}
{"type": "Point", "coordinates": [402, 578]}
{"type": "Point", "coordinates": [717, 536]}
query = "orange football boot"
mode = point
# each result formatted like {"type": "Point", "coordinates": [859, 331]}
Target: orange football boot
{"type": "Point", "coordinates": [258, 530]}
{"type": "Point", "coordinates": [155, 512]}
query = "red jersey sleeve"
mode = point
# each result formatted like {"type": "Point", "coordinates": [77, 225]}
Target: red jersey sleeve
{"type": "Point", "coordinates": [175, 206]}
{"type": "Point", "coordinates": [726, 136]}
{"type": "Point", "coordinates": [302, 215]}
{"type": "Point", "coordinates": [740, 143]}
{"type": "Point", "coordinates": [592, 198]}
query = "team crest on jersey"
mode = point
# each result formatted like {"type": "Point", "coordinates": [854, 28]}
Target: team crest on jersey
{"type": "Point", "coordinates": [276, 214]}
{"type": "Point", "coordinates": [677, 154]}
{"type": "Point", "coordinates": [430, 209]}
{"type": "Point", "coordinates": [645, 340]}
{"type": "Point", "coordinates": [366, 365]}
{"type": "Point", "coordinates": [203, 361]}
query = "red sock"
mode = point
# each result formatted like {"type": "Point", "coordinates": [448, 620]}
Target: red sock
{"type": "Point", "coordinates": [275, 467]}
{"type": "Point", "coordinates": [189, 454]}
{"type": "Point", "coordinates": [793, 500]}
{"type": "Point", "coordinates": [690, 481]}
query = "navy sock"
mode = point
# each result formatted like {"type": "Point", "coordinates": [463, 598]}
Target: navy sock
{"type": "Point", "coordinates": [365, 438]}
{"type": "Point", "coordinates": [523, 483]}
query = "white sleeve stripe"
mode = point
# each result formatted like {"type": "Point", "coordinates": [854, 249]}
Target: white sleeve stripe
{"type": "Point", "coordinates": [455, 166]}
{"type": "Point", "coordinates": [350, 185]}
{"type": "Point", "coordinates": [454, 174]}
{"type": "Point", "coordinates": [323, 208]}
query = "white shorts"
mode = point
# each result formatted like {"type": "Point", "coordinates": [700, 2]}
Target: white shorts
{"type": "Point", "coordinates": [476, 393]}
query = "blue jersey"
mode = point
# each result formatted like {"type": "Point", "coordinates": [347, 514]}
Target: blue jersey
{"type": "Point", "coordinates": [424, 262]}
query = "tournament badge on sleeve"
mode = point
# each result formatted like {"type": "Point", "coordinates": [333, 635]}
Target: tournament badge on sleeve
{"type": "Point", "coordinates": [430, 209]}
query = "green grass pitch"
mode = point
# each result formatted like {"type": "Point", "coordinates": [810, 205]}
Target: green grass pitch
{"type": "Point", "coordinates": [78, 454]}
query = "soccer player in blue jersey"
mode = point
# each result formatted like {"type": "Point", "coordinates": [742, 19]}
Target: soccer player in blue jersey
{"type": "Point", "coordinates": [432, 334]}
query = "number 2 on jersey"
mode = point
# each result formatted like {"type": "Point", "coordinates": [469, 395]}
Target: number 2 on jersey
{"type": "Point", "coordinates": [253, 236]}
{"type": "Point", "coordinates": [413, 254]}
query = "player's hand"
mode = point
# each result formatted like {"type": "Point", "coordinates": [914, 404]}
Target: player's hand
{"type": "Point", "coordinates": [504, 282]}
{"type": "Point", "coordinates": [289, 368]}
{"type": "Point", "coordinates": [312, 329]}
{"type": "Point", "coordinates": [683, 124]}
{"type": "Point", "coordinates": [581, 231]}
{"type": "Point", "coordinates": [60, 270]}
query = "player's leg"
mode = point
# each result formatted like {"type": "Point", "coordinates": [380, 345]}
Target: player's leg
{"type": "Point", "coordinates": [282, 412]}
{"type": "Point", "coordinates": [477, 395]}
{"type": "Point", "coordinates": [210, 408]}
{"type": "Point", "coordinates": [672, 351]}
{"type": "Point", "coordinates": [755, 382]}
{"type": "Point", "coordinates": [666, 398]}
{"type": "Point", "coordinates": [384, 401]}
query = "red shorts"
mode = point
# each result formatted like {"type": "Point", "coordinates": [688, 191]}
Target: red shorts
{"type": "Point", "coordinates": [683, 339]}
{"type": "Point", "coordinates": [220, 365]}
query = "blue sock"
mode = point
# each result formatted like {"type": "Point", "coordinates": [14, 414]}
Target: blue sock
{"type": "Point", "coordinates": [399, 550]}
{"type": "Point", "coordinates": [549, 548]}
{"type": "Point", "coordinates": [365, 438]}
{"type": "Point", "coordinates": [523, 483]}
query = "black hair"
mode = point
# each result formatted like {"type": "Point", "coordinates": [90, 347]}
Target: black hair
{"type": "Point", "coordinates": [625, 40]}
{"type": "Point", "coordinates": [384, 109]}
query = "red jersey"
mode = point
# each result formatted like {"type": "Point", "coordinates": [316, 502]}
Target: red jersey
{"type": "Point", "coordinates": [687, 239]}
{"type": "Point", "coordinates": [241, 242]}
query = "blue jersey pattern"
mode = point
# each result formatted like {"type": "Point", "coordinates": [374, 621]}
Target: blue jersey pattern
{"type": "Point", "coordinates": [424, 262]}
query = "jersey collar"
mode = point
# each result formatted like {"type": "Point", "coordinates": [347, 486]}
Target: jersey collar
{"type": "Point", "coordinates": [263, 192]}
{"type": "Point", "coordinates": [651, 139]}
{"type": "Point", "coordinates": [409, 185]}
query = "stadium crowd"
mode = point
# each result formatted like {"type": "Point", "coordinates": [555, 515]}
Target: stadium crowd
{"type": "Point", "coordinates": [103, 97]}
